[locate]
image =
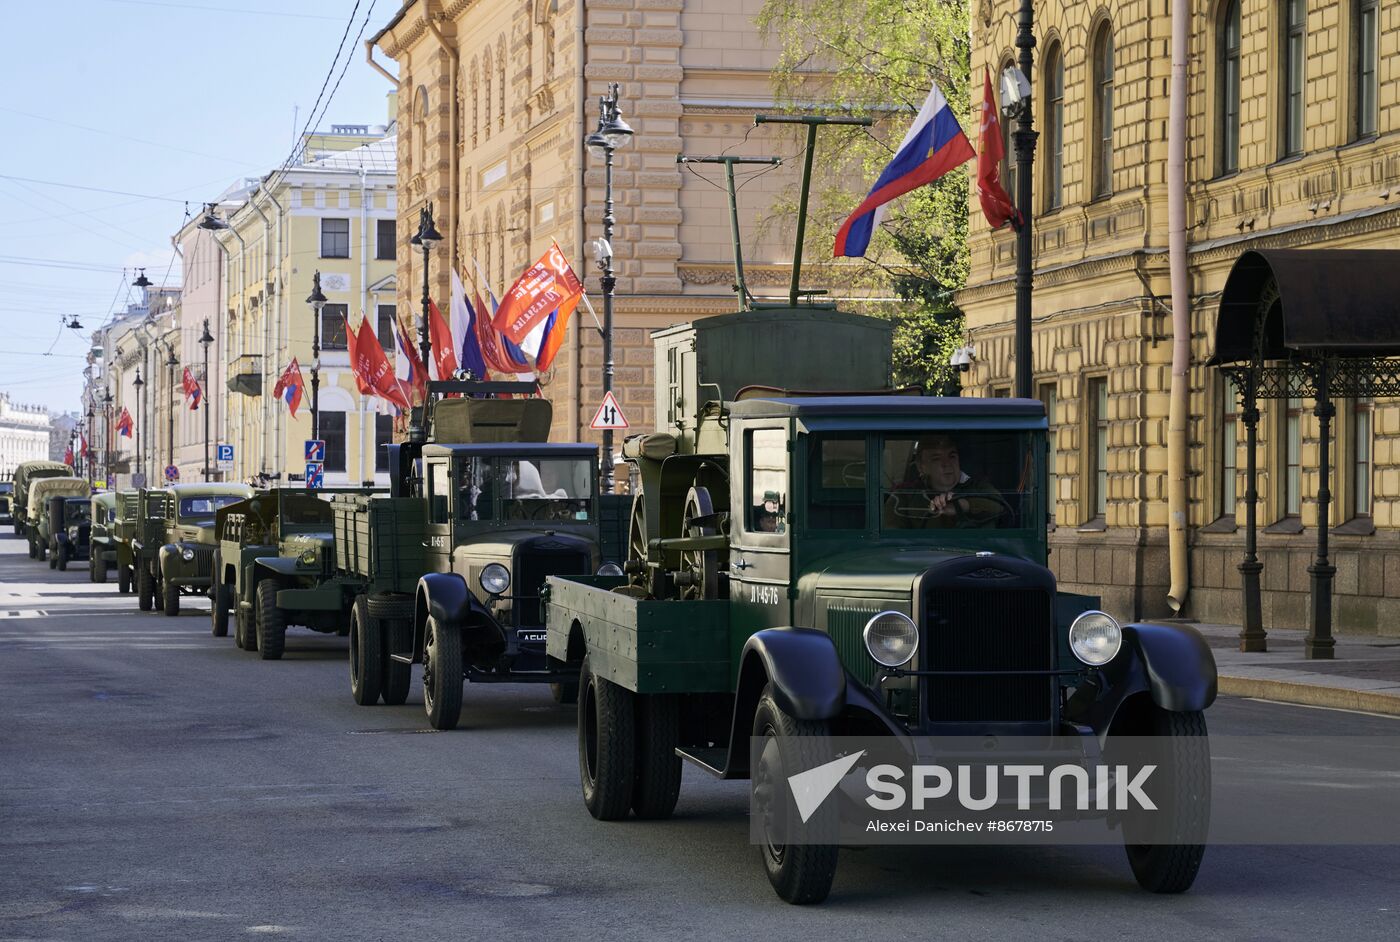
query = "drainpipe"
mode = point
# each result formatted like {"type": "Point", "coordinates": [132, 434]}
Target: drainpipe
{"type": "Point", "coordinates": [280, 329]}
{"type": "Point", "coordinates": [580, 201]}
{"type": "Point", "coordinates": [269, 351]}
{"type": "Point", "coordinates": [369, 57]}
{"type": "Point", "coordinates": [1179, 414]}
{"type": "Point", "coordinates": [451, 134]}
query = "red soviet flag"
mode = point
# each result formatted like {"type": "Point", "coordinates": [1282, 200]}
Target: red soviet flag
{"type": "Point", "coordinates": [996, 204]}
{"type": "Point", "coordinates": [546, 286]}
{"type": "Point", "coordinates": [443, 350]}
{"type": "Point", "coordinates": [374, 368]}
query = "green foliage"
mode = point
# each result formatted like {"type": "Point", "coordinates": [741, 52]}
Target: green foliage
{"type": "Point", "coordinates": [877, 59]}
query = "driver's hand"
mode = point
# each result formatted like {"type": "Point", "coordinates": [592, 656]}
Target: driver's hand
{"type": "Point", "coordinates": [942, 503]}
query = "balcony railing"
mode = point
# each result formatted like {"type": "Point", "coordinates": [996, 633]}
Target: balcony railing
{"type": "Point", "coordinates": [245, 374]}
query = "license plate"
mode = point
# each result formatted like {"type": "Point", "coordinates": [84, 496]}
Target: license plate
{"type": "Point", "coordinates": [530, 635]}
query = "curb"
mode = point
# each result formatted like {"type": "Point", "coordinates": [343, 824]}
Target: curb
{"type": "Point", "coordinates": [1286, 691]}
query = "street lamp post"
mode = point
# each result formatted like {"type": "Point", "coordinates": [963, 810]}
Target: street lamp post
{"type": "Point", "coordinates": [106, 434]}
{"type": "Point", "coordinates": [140, 421]}
{"type": "Point", "coordinates": [87, 459]}
{"type": "Point", "coordinates": [1016, 80]}
{"type": "Point", "coordinates": [426, 238]}
{"type": "Point", "coordinates": [170, 364]}
{"type": "Point", "coordinates": [317, 300]}
{"type": "Point", "coordinates": [205, 340]}
{"type": "Point", "coordinates": [612, 133]}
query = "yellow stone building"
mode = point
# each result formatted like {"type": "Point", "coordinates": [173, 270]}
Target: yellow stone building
{"type": "Point", "coordinates": [335, 214]}
{"type": "Point", "coordinates": [1294, 141]}
{"type": "Point", "coordinates": [495, 100]}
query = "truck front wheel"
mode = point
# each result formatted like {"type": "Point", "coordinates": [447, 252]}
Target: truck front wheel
{"type": "Point", "coordinates": [271, 626]}
{"type": "Point", "coordinates": [1181, 824]}
{"type": "Point", "coordinates": [366, 654]}
{"type": "Point", "coordinates": [442, 675]}
{"type": "Point", "coordinates": [62, 557]}
{"type": "Point", "coordinates": [171, 593]}
{"type": "Point", "coordinates": [218, 610]}
{"type": "Point", "coordinates": [657, 785]}
{"type": "Point", "coordinates": [145, 589]}
{"type": "Point", "coordinates": [799, 856]}
{"type": "Point", "coordinates": [123, 579]}
{"type": "Point", "coordinates": [607, 752]}
{"type": "Point", "coordinates": [245, 632]}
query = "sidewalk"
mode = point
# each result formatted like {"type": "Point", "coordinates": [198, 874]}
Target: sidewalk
{"type": "Point", "coordinates": [1365, 674]}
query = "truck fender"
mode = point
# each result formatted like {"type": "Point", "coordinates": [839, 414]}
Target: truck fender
{"type": "Point", "coordinates": [166, 552]}
{"type": "Point", "coordinates": [276, 565]}
{"type": "Point", "coordinates": [1177, 663]}
{"type": "Point", "coordinates": [446, 597]}
{"type": "Point", "coordinates": [803, 667]}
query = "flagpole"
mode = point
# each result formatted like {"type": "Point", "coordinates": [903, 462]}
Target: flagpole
{"type": "Point", "coordinates": [1025, 155]}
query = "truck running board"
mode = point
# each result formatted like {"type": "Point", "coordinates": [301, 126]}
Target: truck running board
{"type": "Point", "coordinates": [711, 760]}
{"type": "Point", "coordinates": [401, 658]}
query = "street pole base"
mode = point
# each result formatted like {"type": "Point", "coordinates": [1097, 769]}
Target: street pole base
{"type": "Point", "coordinates": [1254, 642]}
{"type": "Point", "coordinates": [1320, 649]}
{"type": "Point", "coordinates": [1253, 638]}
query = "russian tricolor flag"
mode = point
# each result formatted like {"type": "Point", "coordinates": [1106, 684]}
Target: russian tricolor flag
{"type": "Point", "coordinates": [934, 145]}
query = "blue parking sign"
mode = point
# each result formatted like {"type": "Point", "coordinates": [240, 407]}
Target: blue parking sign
{"type": "Point", "coordinates": [315, 475]}
{"type": "Point", "coordinates": [315, 450]}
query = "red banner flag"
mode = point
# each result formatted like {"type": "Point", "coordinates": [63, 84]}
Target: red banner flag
{"type": "Point", "coordinates": [290, 385]}
{"type": "Point", "coordinates": [68, 456]}
{"type": "Point", "coordinates": [440, 336]}
{"type": "Point", "coordinates": [548, 284]}
{"type": "Point", "coordinates": [417, 381]}
{"type": "Point", "coordinates": [82, 440]}
{"type": "Point", "coordinates": [124, 423]}
{"type": "Point", "coordinates": [996, 204]}
{"type": "Point", "coordinates": [373, 368]}
{"type": "Point", "coordinates": [351, 343]}
{"type": "Point", "coordinates": [489, 339]}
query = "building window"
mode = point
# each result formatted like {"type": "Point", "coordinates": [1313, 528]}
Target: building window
{"type": "Point", "coordinates": [1001, 392]}
{"type": "Point", "coordinates": [1103, 111]}
{"type": "Point", "coordinates": [333, 434]}
{"type": "Point", "coordinates": [383, 435]}
{"type": "Point", "coordinates": [1047, 394]}
{"type": "Point", "coordinates": [501, 79]}
{"type": "Point", "coordinates": [1054, 125]}
{"type": "Point", "coordinates": [385, 236]}
{"type": "Point", "coordinates": [1228, 72]}
{"type": "Point", "coordinates": [476, 104]}
{"type": "Point", "coordinates": [333, 326]}
{"type": "Point", "coordinates": [1097, 397]}
{"type": "Point", "coordinates": [1361, 460]}
{"type": "Point", "coordinates": [1229, 448]}
{"type": "Point", "coordinates": [1364, 55]}
{"type": "Point", "coordinates": [335, 238]}
{"type": "Point", "coordinates": [1008, 160]}
{"type": "Point", "coordinates": [1293, 457]}
{"type": "Point", "coordinates": [1294, 59]}
{"type": "Point", "coordinates": [486, 95]}
{"type": "Point", "coordinates": [386, 326]}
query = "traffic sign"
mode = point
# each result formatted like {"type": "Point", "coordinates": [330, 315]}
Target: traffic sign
{"type": "Point", "coordinates": [172, 473]}
{"type": "Point", "coordinates": [315, 450]}
{"type": "Point", "coordinates": [223, 455]}
{"type": "Point", "coordinates": [609, 415]}
{"type": "Point", "coordinates": [315, 474]}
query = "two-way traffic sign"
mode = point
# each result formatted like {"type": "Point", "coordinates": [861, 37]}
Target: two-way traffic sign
{"type": "Point", "coordinates": [609, 415]}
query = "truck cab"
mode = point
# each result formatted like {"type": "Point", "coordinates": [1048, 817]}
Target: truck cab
{"type": "Point", "coordinates": [69, 527]}
{"type": "Point", "coordinates": [103, 553]}
{"type": "Point", "coordinates": [185, 562]}
{"type": "Point", "coordinates": [40, 529]}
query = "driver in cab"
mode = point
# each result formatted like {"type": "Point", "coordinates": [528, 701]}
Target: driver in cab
{"type": "Point", "coordinates": [939, 493]}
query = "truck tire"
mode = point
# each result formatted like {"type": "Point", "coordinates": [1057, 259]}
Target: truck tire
{"type": "Point", "coordinates": [123, 580]}
{"type": "Point", "coordinates": [100, 567]}
{"type": "Point", "coordinates": [218, 610]}
{"type": "Point", "coordinates": [158, 591]}
{"type": "Point", "coordinates": [366, 654]}
{"type": "Point", "coordinates": [1171, 867]}
{"type": "Point", "coordinates": [145, 589]}
{"type": "Point", "coordinates": [53, 559]}
{"type": "Point", "coordinates": [92, 567]}
{"type": "Point", "coordinates": [565, 694]}
{"type": "Point", "coordinates": [398, 636]}
{"type": "Point", "coordinates": [607, 751]}
{"type": "Point", "coordinates": [171, 601]}
{"type": "Point", "coordinates": [442, 675]}
{"type": "Point", "coordinates": [801, 871]}
{"type": "Point", "coordinates": [245, 634]}
{"type": "Point", "coordinates": [271, 625]}
{"type": "Point", "coordinates": [657, 784]}
{"type": "Point", "coordinates": [63, 557]}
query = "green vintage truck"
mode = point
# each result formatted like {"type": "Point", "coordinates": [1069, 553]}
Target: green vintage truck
{"type": "Point", "coordinates": [139, 533]}
{"type": "Point", "coordinates": [276, 568]}
{"type": "Point", "coordinates": [39, 526]}
{"type": "Point", "coordinates": [69, 529]}
{"type": "Point", "coordinates": [184, 565]}
{"type": "Point", "coordinates": [25, 473]}
{"type": "Point", "coordinates": [864, 563]}
{"type": "Point", "coordinates": [103, 553]}
{"type": "Point", "coordinates": [501, 509]}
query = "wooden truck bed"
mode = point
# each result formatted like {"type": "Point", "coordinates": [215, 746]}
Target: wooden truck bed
{"type": "Point", "coordinates": [643, 645]}
{"type": "Point", "coordinates": [380, 539]}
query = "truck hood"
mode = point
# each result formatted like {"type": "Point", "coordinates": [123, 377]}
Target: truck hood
{"type": "Point", "coordinates": [881, 569]}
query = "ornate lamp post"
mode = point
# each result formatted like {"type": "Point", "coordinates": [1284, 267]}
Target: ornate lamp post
{"type": "Point", "coordinates": [140, 421]}
{"type": "Point", "coordinates": [317, 300]}
{"type": "Point", "coordinates": [205, 340]}
{"type": "Point", "coordinates": [87, 460]}
{"type": "Point", "coordinates": [612, 133]}
{"type": "Point", "coordinates": [170, 364]}
{"type": "Point", "coordinates": [106, 434]}
{"type": "Point", "coordinates": [426, 238]}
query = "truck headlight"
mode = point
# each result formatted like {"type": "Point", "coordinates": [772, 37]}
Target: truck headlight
{"type": "Point", "coordinates": [892, 638]}
{"type": "Point", "coordinates": [1095, 638]}
{"type": "Point", "coordinates": [610, 569]}
{"type": "Point", "coordinates": [309, 558]}
{"type": "Point", "coordinates": [495, 579]}
{"type": "Point", "coordinates": [187, 554]}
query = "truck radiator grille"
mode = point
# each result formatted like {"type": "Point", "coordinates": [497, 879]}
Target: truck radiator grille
{"type": "Point", "coordinates": [532, 565]}
{"type": "Point", "coordinates": [1003, 630]}
{"type": "Point", "coordinates": [203, 562]}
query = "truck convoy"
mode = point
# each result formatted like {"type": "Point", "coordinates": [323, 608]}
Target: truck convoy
{"type": "Point", "coordinates": [39, 522]}
{"type": "Point", "coordinates": [24, 475]}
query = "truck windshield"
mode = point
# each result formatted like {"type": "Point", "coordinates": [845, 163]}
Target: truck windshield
{"type": "Point", "coordinates": [205, 507]}
{"type": "Point", "coordinates": [974, 479]}
{"type": "Point", "coordinates": [525, 489]}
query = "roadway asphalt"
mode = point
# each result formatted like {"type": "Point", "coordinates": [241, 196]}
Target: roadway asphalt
{"type": "Point", "coordinates": [158, 783]}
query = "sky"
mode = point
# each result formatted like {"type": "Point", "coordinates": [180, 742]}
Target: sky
{"type": "Point", "coordinates": [164, 101]}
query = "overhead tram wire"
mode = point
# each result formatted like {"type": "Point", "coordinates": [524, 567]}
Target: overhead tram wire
{"type": "Point", "coordinates": [91, 189]}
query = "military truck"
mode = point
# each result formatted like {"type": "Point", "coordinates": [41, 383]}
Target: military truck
{"type": "Point", "coordinates": [809, 565]}
{"type": "Point", "coordinates": [276, 568]}
{"type": "Point", "coordinates": [185, 563]}
{"type": "Point", "coordinates": [103, 552]}
{"type": "Point", "coordinates": [40, 493]}
{"type": "Point", "coordinates": [26, 473]}
{"type": "Point", "coordinates": [139, 533]}
{"type": "Point", "coordinates": [7, 493]}
{"type": "Point", "coordinates": [69, 530]}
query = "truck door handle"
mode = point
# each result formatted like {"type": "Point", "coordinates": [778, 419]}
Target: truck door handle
{"type": "Point", "coordinates": [740, 566]}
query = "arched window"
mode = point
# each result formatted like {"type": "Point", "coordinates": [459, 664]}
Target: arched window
{"type": "Point", "coordinates": [501, 76]}
{"type": "Point", "coordinates": [486, 95]}
{"type": "Point", "coordinates": [420, 130]}
{"type": "Point", "coordinates": [1053, 66]}
{"type": "Point", "coordinates": [476, 102]}
{"type": "Point", "coordinates": [1228, 94]}
{"type": "Point", "coordinates": [486, 253]}
{"type": "Point", "coordinates": [547, 38]}
{"type": "Point", "coordinates": [1364, 21]}
{"type": "Point", "coordinates": [501, 246]}
{"type": "Point", "coordinates": [1101, 137]}
{"type": "Point", "coordinates": [1295, 15]}
{"type": "Point", "coordinates": [1008, 160]}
